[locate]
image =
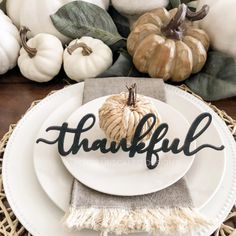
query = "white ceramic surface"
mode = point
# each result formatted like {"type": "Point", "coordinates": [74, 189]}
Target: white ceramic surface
{"type": "Point", "coordinates": [42, 217]}
{"type": "Point", "coordinates": [117, 174]}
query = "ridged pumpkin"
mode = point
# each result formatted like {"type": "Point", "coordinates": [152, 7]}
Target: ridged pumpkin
{"type": "Point", "coordinates": [166, 44]}
{"type": "Point", "coordinates": [120, 115]}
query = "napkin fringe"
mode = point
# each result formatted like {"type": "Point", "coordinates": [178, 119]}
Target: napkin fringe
{"type": "Point", "coordinates": [124, 221]}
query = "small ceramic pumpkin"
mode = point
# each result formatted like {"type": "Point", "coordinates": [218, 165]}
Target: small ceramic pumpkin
{"type": "Point", "coordinates": [41, 57]}
{"type": "Point", "coordinates": [9, 44]}
{"type": "Point", "coordinates": [86, 58]}
{"type": "Point", "coordinates": [120, 115]}
{"type": "Point", "coordinates": [166, 45]}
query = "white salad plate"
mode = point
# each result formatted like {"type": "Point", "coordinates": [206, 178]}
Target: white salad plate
{"type": "Point", "coordinates": [42, 217]}
{"type": "Point", "coordinates": [116, 173]}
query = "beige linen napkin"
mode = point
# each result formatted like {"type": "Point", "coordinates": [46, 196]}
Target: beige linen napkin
{"type": "Point", "coordinates": [170, 210]}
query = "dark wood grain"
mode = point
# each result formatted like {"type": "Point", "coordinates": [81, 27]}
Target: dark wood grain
{"type": "Point", "coordinates": [17, 93]}
{"type": "Point", "coordinates": [228, 105]}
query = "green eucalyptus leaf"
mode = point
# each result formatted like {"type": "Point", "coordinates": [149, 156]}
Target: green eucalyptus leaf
{"type": "Point", "coordinates": [187, 1]}
{"type": "Point", "coordinates": [121, 22]}
{"type": "Point", "coordinates": [78, 18]}
{"type": "Point", "coordinates": [175, 3]}
{"type": "Point", "coordinates": [123, 67]}
{"type": "Point", "coordinates": [193, 5]}
{"type": "Point", "coordinates": [118, 46]}
{"type": "Point", "coordinates": [217, 80]}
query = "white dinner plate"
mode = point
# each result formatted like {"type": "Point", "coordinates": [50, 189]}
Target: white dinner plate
{"type": "Point", "coordinates": [116, 173]}
{"type": "Point", "coordinates": [41, 217]}
{"type": "Point", "coordinates": [48, 164]}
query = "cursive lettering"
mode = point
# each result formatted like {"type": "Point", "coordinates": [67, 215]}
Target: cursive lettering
{"type": "Point", "coordinates": [136, 146]}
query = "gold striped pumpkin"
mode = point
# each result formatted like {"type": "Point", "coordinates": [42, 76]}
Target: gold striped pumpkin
{"type": "Point", "coordinates": [166, 44]}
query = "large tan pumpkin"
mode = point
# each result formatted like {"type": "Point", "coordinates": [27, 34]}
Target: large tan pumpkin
{"type": "Point", "coordinates": [166, 44]}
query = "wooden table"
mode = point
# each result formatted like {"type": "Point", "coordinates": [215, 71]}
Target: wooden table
{"type": "Point", "coordinates": [17, 93]}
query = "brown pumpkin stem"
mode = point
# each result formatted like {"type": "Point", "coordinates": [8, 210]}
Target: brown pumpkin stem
{"type": "Point", "coordinates": [173, 29]}
{"type": "Point", "coordinates": [132, 95]}
{"type": "Point", "coordinates": [199, 15]}
{"type": "Point", "coordinates": [31, 51]}
{"type": "Point", "coordinates": [86, 49]}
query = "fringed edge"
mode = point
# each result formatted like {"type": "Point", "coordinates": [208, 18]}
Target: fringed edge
{"type": "Point", "coordinates": [122, 221]}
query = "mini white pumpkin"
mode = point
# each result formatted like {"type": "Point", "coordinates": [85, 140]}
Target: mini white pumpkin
{"type": "Point", "coordinates": [41, 57]}
{"type": "Point", "coordinates": [9, 44]}
{"type": "Point", "coordinates": [120, 115]}
{"type": "Point", "coordinates": [137, 7]}
{"type": "Point", "coordinates": [86, 58]}
{"type": "Point", "coordinates": [35, 14]}
{"type": "Point", "coordinates": [220, 24]}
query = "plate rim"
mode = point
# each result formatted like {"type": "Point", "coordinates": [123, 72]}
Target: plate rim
{"type": "Point", "coordinates": [197, 207]}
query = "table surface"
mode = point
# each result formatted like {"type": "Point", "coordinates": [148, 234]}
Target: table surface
{"type": "Point", "coordinates": [17, 93]}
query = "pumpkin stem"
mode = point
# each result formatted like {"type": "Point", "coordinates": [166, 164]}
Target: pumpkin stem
{"type": "Point", "coordinates": [132, 95]}
{"type": "Point", "coordinates": [31, 51]}
{"type": "Point", "coordinates": [173, 29]}
{"type": "Point", "coordinates": [199, 15]}
{"type": "Point", "coordinates": [86, 49]}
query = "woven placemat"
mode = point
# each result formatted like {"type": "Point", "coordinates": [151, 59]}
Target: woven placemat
{"type": "Point", "coordinates": [10, 225]}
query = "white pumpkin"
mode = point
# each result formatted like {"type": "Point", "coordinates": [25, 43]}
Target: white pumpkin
{"type": "Point", "coordinates": [41, 57]}
{"type": "Point", "coordinates": [86, 58]}
{"type": "Point", "coordinates": [220, 24]}
{"type": "Point", "coordinates": [9, 44]}
{"type": "Point", "coordinates": [35, 14]}
{"type": "Point", "coordinates": [137, 7]}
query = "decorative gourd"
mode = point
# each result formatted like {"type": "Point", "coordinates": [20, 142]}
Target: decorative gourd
{"type": "Point", "coordinates": [220, 24]}
{"type": "Point", "coordinates": [9, 44]}
{"type": "Point", "coordinates": [41, 57]}
{"type": "Point", "coordinates": [137, 7]}
{"type": "Point", "coordinates": [35, 14]}
{"type": "Point", "coordinates": [166, 45]}
{"type": "Point", "coordinates": [120, 115]}
{"type": "Point", "coordinates": [86, 58]}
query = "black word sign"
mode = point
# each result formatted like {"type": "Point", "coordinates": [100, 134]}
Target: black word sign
{"type": "Point", "coordinates": [136, 146]}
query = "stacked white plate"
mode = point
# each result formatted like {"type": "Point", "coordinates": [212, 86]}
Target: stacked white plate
{"type": "Point", "coordinates": [38, 185]}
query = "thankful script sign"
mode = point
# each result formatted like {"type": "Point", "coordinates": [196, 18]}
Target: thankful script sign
{"type": "Point", "coordinates": [137, 146]}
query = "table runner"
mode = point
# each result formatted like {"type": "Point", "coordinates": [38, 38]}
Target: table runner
{"type": "Point", "coordinates": [10, 225]}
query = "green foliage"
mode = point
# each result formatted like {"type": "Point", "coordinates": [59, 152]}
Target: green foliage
{"type": "Point", "coordinates": [78, 18]}
{"type": "Point", "coordinates": [176, 3]}
{"type": "Point", "coordinates": [217, 80]}
{"type": "Point", "coordinates": [121, 22]}
{"type": "Point", "coordinates": [123, 67]}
